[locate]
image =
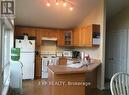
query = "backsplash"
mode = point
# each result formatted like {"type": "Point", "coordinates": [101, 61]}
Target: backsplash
{"type": "Point", "coordinates": [93, 52]}
{"type": "Point", "coordinates": [51, 47]}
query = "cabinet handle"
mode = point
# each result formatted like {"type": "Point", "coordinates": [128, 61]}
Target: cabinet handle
{"type": "Point", "coordinates": [111, 59]}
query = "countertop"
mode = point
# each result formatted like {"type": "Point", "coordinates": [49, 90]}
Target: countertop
{"type": "Point", "coordinates": [63, 69]}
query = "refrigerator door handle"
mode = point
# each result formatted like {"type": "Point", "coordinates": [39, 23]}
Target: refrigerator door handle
{"type": "Point", "coordinates": [21, 64]}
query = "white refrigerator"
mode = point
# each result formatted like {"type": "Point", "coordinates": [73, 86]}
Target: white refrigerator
{"type": "Point", "coordinates": [27, 56]}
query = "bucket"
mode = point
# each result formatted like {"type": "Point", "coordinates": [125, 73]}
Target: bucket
{"type": "Point", "coordinates": [15, 54]}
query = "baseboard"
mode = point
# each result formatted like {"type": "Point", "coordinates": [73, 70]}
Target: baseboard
{"type": "Point", "coordinates": [37, 77]}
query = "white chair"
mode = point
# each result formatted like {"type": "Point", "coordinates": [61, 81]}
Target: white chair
{"type": "Point", "coordinates": [119, 84]}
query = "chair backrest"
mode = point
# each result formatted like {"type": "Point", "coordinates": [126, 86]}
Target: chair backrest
{"type": "Point", "coordinates": [119, 84]}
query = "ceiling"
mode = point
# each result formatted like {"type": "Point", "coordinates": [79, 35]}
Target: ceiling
{"type": "Point", "coordinates": [35, 13]}
{"type": "Point", "coordinates": [115, 6]}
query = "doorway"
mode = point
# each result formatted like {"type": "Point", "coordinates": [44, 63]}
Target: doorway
{"type": "Point", "coordinates": [116, 53]}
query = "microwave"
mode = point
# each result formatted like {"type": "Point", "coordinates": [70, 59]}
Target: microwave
{"type": "Point", "coordinates": [67, 53]}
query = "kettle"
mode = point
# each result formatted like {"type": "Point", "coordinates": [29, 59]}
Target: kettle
{"type": "Point", "coordinates": [76, 54]}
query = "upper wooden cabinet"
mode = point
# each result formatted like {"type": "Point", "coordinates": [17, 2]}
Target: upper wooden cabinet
{"type": "Point", "coordinates": [76, 37]}
{"type": "Point", "coordinates": [87, 36]}
{"type": "Point", "coordinates": [68, 39]}
{"type": "Point", "coordinates": [50, 33]}
{"type": "Point", "coordinates": [60, 41]}
{"type": "Point", "coordinates": [65, 38]}
{"type": "Point", "coordinates": [94, 30]}
{"type": "Point", "coordinates": [24, 30]}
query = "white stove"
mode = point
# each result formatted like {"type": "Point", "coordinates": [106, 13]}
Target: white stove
{"type": "Point", "coordinates": [48, 59]}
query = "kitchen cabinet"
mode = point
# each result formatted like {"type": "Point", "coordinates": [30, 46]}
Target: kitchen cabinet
{"type": "Point", "coordinates": [50, 33]}
{"type": "Point", "coordinates": [66, 74]}
{"type": "Point", "coordinates": [19, 31]}
{"type": "Point", "coordinates": [94, 35]}
{"type": "Point", "coordinates": [38, 57]}
{"type": "Point", "coordinates": [60, 41]}
{"type": "Point", "coordinates": [65, 38]}
{"type": "Point", "coordinates": [38, 37]}
{"type": "Point", "coordinates": [86, 36]}
{"type": "Point", "coordinates": [38, 67]}
{"type": "Point", "coordinates": [77, 37]}
{"type": "Point", "coordinates": [68, 38]}
{"type": "Point", "coordinates": [82, 36]}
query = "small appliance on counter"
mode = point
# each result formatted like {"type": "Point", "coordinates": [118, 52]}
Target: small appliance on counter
{"type": "Point", "coordinates": [67, 54]}
{"type": "Point", "coordinates": [86, 59]}
{"type": "Point", "coordinates": [76, 54]}
{"type": "Point", "coordinates": [48, 58]}
{"type": "Point", "coordinates": [59, 54]}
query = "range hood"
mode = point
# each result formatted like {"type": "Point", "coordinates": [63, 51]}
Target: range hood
{"type": "Point", "coordinates": [49, 38]}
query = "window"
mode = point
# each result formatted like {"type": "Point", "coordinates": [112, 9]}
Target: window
{"type": "Point", "coordinates": [6, 55]}
{"type": "Point", "coordinates": [7, 35]}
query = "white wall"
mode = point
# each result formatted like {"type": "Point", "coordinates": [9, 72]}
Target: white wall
{"type": "Point", "coordinates": [51, 47]}
{"type": "Point", "coordinates": [97, 16]}
{"type": "Point", "coordinates": [119, 21]}
{"type": "Point", "coordinates": [94, 17]}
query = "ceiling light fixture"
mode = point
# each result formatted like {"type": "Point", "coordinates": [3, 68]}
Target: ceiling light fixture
{"type": "Point", "coordinates": [64, 3]}
{"type": "Point", "coordinates": [48, 4]}
{"type": "Point", "coordinates": [57, 3]}
{"type": "Point", "coordinates": [71, 8]}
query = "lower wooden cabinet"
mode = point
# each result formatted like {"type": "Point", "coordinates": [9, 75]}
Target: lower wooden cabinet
{"type": "Point", "coordinates": [38, 67]}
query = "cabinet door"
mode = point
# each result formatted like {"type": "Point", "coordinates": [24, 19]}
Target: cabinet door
{"type": "Point", "coordinates": [44, 33]}
{"type": "Point", "coordinates": [88, 34]}
{"type": "Point", "coordinates": [83, 36]}
{"type": "Point", "coordinates": [68, 38]}
{"type": "Point", "coordinates": [65, 38]}
{"type": "Point", "coordinates": [38, 38]}
{"type": "Point", "coordinates": [53, 33]}
{"type": "Point", "coordinates": [76, 37]}
{"type": "Point", "coordinates": [60, 38]}
{"type": "Point", "coordinates": [19, 31]}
